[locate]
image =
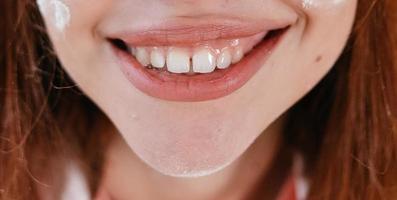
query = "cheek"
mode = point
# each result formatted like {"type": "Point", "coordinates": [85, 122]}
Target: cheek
{"type": "Point", "coordinates": [72, 18]}
{"type": "Point", "coordinates": [70, 25]}
{"type": "Point", "coordinates": [328, 26]}
{"type": "Point", "coordinates": [316, 42]}
{"type": "Point", "coordinates": [56, 12]}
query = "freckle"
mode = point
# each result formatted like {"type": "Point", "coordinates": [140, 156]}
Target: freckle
{"type": "Point", "coordinates": [319, 58]}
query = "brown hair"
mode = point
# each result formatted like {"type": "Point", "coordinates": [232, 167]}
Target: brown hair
{"type": "Point", "coordinates": [345, 127]}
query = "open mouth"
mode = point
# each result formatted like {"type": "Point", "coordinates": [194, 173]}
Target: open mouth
{"type": "Point", "coordinates": [198, 70]}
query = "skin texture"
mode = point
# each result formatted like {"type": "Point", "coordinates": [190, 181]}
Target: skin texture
{"type": "Point", "coordinates": [200, 138]}
{"type": "Point", "coordinates": [58, 10]}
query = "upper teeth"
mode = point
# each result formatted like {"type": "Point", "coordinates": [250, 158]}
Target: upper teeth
{"type": "Point", "coordinates": [201, 59]}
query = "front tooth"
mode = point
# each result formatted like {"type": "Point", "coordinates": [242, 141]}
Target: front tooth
{"type": "Point", "coordinates": [238, 54]}
{"type": "Point", "coordinates": [178, 60]}
{"type": "Point", "coordinates": [142, 56]}
{"type": "Point", "coordinates": [224, 59]}
{"type": "Point", "coordinates": [157, 58]}
{"type": "Point", "coordinates": [204, 61]}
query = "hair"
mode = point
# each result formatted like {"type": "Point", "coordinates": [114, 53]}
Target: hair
{"type": "Point", "coordinates": [345, 127]}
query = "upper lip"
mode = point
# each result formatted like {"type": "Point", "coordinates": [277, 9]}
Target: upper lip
{"type": "Point", "coordinates": [183, 31]}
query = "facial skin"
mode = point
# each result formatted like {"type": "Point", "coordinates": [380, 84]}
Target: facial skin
{"type": "Point", "coordinates": [197, 138]}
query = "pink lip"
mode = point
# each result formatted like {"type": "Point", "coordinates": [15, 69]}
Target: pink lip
{"type": "Point", "coordinates": [183, 32]}
{"type": "Point", "coordinates": [201, 87]}
{"type": "Point", "coordinates": [198, 87]}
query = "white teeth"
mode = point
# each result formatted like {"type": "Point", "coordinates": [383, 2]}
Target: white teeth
{"type": "Point", "coordinates": [238, 54]}
{"type": "Point", "coordinates": [201, 59]}
{"type": "Point", "coordinates": [204, 61]}
{"type": "Point", "coordinates": [142, 56]}
{"type": "Point", "coordinates": [224, 59]}
{"type": "Point", "coordinates": [157, 58]}
{"type": "Point", "coordinates": [178, 60]}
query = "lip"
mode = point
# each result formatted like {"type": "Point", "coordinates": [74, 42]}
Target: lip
{"type": "Point", "coordinates": [187, 32]}
{"type": "Point", "coordinates": [199, 87]}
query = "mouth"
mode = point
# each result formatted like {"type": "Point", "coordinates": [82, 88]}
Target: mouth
{"type": "Point", "coordinates": [192, 66]}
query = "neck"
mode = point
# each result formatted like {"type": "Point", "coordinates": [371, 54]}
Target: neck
{"type": "Point", "coordinates": [127, 177]}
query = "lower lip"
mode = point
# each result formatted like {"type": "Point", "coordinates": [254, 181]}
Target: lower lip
{"type": "Point", "coordinates": [198, 87]}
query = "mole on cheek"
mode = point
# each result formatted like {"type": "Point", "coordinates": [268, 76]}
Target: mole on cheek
{"type": "Point", "coordinates": [319, 58]}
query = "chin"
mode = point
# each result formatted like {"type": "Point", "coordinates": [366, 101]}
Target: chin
{"type": "Point", "coordinates": [194, 150]}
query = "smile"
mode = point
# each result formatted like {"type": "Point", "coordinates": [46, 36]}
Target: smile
{"type": "Point", "coordinates": [195, 63]}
